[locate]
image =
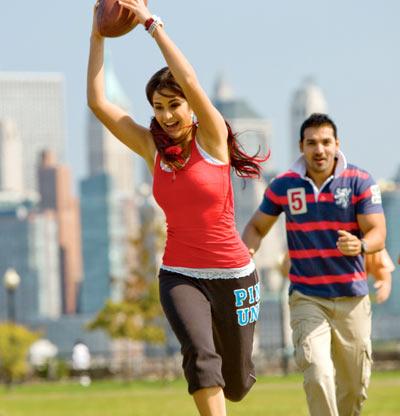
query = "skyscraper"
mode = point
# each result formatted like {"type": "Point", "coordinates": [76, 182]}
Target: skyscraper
{"type": "Point", "coordinates": [108, 211]}
{"type": "Point", "coordinates": [55, 187]}
{"type": "Point", "coordinates": [385, 324]}
{"type": "Point", "coordinates": [35, 103]}
{"type": "Point", "coordinates": [391, 206]}
{"type": "Point", "coordinates": [307, 99]}
{"type": "Point", "coordinates": [29, 245]}
{"type": "Point", "coordinates": [10, 157]}
{"type": "Point", "coordinates": [105, 239]}
{"type": "Point", "coordinates": [107, 154]}
{"type": "Point", "coordinates": [254, 133]}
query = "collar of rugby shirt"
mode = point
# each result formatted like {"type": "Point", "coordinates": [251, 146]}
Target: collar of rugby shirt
{"type": "Point", "coordinates": [300, 165]}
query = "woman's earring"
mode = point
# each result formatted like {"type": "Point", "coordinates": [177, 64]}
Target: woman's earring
{"type": "Point", "coordinates": [193, 118]}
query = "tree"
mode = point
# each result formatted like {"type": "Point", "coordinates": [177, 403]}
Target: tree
{"type": "Point", "coordinates": [15, 341]}
{"type": "Point", "coordinates": [133, 319]}
{"type": "Point", "coordinates": [136, 316]}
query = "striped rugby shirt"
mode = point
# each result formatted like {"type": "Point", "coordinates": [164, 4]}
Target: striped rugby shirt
{"type": "Point", "coordinates": [313, 217]}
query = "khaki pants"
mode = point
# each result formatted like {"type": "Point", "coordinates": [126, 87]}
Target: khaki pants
{"type": "Point", "coordinates": [332, 341]}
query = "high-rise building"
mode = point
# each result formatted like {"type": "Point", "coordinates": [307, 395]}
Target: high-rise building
{"type": "Point", "coordinates": [385, 324]}
{"type": "Point", "coordinates": [33, 253]}
{"type": "Point", "coordinates": [254, 133]}
{"type": "Point", "coordinates": [105, 239]}
{"type": "Point", "coordinates": [35, 103]}
{"type": "Point", "coordinates": [55, 188]}
{"type": "Point", "coordinates": [391, 206]}
{"type": "Point", "coordinates": [108, 210]}
{"type": "Point", "coordinates": [306, 100]}
{"type": "Point", "coordinates": [11, 169]}
{"type": "Point", "coordinates": [106, 153]}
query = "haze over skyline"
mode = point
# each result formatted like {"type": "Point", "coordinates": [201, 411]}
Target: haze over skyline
{"type": "Point", "coordinates": [265, 51]}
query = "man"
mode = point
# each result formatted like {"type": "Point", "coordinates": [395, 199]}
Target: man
{"type": "Point", "coordinates": [81, 362]}
{"type": "Point", "coordinates": [333, 216]}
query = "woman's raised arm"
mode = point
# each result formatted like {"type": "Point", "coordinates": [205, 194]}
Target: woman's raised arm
{"type": "Point", "coordinates": [116, 119]}
{"type": "Point", "coordinates": [212, 128]}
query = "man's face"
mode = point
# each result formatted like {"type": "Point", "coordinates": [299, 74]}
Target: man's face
{"type": "Point", "coordinates": [319, 147]}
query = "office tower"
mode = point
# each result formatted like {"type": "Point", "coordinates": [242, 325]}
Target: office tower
{"type": "Point", "coordinates": [10, 157]}
{"type": "Point", "coordinates": [105, 240]}
{"type": "Point", "coordinates": [391, 206]}
{"type": "Point", "coordinates": [307, 99]}
{"type": "Point", "coordinates": [30, 246]}
{"type": "Point", "coordinates": [35, 103]}
{"type": "Point", "coordinates": [254, 133]}
{"type": "Point", "coordinates": [55, 188]}
{"type": "Point", "coordinates": [106, 153]}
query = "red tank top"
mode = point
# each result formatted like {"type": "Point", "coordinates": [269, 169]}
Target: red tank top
{"type": "Point", "coordinates": [198, 204]}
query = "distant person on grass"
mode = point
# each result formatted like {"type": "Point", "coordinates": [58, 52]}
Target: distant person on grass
{"type": "Point", "coordinates": [81, 361]}
{"type": "Point", "coordinates": [333, 217]}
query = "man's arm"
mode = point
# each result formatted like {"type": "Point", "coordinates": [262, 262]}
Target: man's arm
{"type": "Point", "coordinates": [373, 228]}
{"type": "Point", "coordinates": [380, 266]}
{"type": "Point", "coordinates": [258, 226]}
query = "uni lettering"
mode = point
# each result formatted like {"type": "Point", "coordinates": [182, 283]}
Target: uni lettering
{"type": "Point", "coordinates": [248, 315]}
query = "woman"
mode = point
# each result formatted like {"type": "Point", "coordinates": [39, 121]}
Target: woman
{"type": "Point", "coordinates": [208, 286]}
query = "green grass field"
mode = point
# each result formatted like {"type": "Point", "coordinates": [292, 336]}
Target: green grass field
{"type": "Point", "coordinates": [271, 396]}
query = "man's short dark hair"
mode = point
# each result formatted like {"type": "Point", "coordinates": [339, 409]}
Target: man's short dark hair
{"type": "Point", "coordinates": [317, 120]}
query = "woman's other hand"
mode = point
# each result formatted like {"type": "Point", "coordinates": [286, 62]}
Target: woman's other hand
{"type": "Point", "coordinates": [138, 8]}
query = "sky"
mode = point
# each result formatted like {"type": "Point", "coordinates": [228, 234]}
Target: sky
{"type": "Point", "coordinates": [265, 49]}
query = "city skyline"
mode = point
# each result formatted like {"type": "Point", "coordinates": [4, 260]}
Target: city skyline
{"type": "Point", "coordinates": [262, 55]}
{"type": "Point", "coordinates": [265, 51]}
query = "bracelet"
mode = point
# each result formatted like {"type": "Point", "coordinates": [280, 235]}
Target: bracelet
{"type": "Point", "coordinates": [152, 23]}
{"type": "Point", "coordinates": [148, 23]}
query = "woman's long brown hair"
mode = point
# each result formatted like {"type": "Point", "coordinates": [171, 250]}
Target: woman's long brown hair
{"type": "Point", "coordinates": [245, 166]}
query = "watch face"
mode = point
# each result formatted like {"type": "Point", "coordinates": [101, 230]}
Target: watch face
{"type": "Point", "coordinates": [364, 246]}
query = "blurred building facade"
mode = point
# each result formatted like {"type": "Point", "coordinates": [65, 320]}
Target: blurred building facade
{"type": "Point", "coordinates": [30, 246]}
{"type": "Point", "coordinates": [55, 188]}
{"type": "Point", "coordinates": [11, 178]}
{"type": "Point", "coordinates": [106, 154]}
{"type": "Point", "coordinates": [307, 99]}
{"type": "Point", "coordinates": [108, 209]}
{"type": "Point", "coordinates": [254, 134]}
{"type": "Point", "coordinates": [35, 102]}
{"type": "Point", "coordinates": [386, 315]}
{"type": "Point", "coordinates": [391, 206]}
{"type": "Point", "coordinates": [105, 241]}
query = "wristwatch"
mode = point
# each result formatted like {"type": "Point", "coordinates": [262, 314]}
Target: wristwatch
{"type": "Point", "coordinates": [364, 246]}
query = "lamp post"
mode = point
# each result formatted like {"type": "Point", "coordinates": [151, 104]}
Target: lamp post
{"type": "Point", "coordinates": [11, 281]}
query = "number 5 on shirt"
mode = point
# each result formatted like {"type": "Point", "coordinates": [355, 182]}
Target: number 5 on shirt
{"type": "Point", "coordinates": [297, 201]}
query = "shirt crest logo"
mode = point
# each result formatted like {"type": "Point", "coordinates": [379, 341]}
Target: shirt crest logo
{"type": "Point", "coordinates": [342, 197]}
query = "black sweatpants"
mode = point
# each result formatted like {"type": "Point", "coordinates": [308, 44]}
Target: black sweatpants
{"type": "Point", "coordinates": [214, 321]}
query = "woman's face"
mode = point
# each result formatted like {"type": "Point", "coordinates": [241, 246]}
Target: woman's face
{"type": "Point", "coordinates": [172, 113]}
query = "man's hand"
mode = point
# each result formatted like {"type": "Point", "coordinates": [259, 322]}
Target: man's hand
{"type": "Point", "coordinates": [383, 289]}
{"type": "Point", "coordinates": [348, 244]}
